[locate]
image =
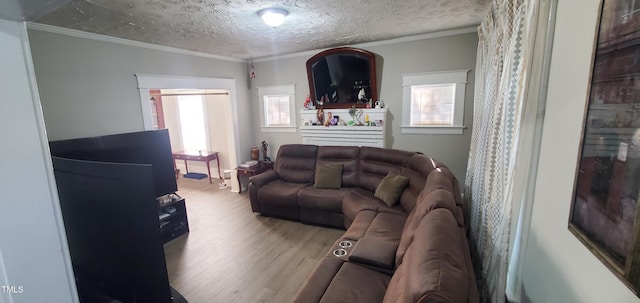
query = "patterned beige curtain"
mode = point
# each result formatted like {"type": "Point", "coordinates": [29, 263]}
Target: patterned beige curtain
{"type": "Point", "coordinates": [504, 51]}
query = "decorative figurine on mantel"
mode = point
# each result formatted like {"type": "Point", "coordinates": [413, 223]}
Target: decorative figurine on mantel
{"type": "Point", "coordinates": [265, 158]}
{"type": "Point", "coordinates": [356, 116]}
{"type": "Point", "coordinates": [362, 96]}
{"type": "Point", "coordinates": [352, 113]}
{"type": "Point", "coordinates": [308, 104]}
{"type": "Point", "coordinates": [320, 116]}
{"type": "Point", "coordinates": [328, 120]}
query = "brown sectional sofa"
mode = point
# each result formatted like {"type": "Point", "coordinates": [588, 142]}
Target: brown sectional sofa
{"type": "Point", "coordinates": [413, 251]}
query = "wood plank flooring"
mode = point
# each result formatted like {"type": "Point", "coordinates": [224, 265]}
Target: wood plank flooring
{"type": "Point", "coordinates": [235, 255]}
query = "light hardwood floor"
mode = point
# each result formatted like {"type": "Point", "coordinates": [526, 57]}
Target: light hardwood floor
{"type": "Point", "coordinates": [235, 255]}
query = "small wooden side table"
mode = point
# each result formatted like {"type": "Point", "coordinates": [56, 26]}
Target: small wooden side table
{"type": "Point", "coordinates": [197, 156]}
{"type": "Point", "coordinates": [252, 171]}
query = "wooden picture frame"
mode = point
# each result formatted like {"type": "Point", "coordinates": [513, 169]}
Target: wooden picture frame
{"type": "Point", "coordinates": [606, 194]}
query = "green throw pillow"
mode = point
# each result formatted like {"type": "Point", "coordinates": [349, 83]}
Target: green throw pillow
{"type": "Point", "coordinates": [328, 176]}
{"type": "Point", "coordinates": [391, 187]}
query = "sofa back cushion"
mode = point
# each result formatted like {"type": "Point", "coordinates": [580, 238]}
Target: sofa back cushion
{"type": "Point", "coordinates": [296, 163]}
{"type": "Point", "coordinates": [443, 178]}
{"type": "Point", "coordinates": [375, 163]}
{"type": "Point", "coordinates": [417, 168]}
{"type": "Point", "coordinates": [436, 199]}
{"type": "Point", "coordinates": [434, 267]}
{"type": "Point", "coordinates": [345, 155]}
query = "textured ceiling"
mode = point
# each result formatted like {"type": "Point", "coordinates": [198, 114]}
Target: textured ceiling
{"type": "Point", "coordinates": [232, 27]}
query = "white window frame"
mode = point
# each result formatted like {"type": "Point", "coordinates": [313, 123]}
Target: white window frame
{"type": "Point", "coordinates": [457, 77]}
{"type": "Point", "coordinates": [278, 90]}
{"type": "Point", "coordinates": [207, 134]}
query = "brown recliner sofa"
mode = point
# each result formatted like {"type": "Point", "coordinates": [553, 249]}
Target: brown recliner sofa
{"type": "Point", "coordinates": [413, 251]}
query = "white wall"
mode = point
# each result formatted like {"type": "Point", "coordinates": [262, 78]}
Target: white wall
{"type": "Point", "coordinates": [33, 249]}
{"type": "Point", "coordinates": [218, 116]}
{"type": "Point", "coordinates": [558, 267]}
{"type": "Point", "coordinates": [426, 55]}
{"type": "Point", "coordinates": [88, 87]}
{"type": "Point", "coordinates": [172, 121]}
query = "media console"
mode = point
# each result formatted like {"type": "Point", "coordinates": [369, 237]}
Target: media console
{"type": "Point", "coordinates": [172, 215]}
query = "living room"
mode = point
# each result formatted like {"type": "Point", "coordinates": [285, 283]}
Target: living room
{"type": "Point", "coordinates": [86, 88]}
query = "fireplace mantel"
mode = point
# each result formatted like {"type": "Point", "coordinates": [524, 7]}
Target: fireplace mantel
{"type": "Point", "coordinates": [345, 135]}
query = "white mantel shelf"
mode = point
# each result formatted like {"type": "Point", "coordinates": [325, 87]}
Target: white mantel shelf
{"type": "Point", "coordinates": [344, 135]}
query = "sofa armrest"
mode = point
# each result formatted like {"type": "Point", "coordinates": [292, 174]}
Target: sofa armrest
{"type": "Point", "coordinates": [255, 183]}
{"type": "Point", "coordinates": [263, 178]}
{"type": "Point", "coordinates": [374, 252]}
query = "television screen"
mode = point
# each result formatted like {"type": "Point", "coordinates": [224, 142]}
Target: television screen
{"type": "Point", "coordinates": [145, 147]}
{"type": "Point", "coordinates": [110, 215]}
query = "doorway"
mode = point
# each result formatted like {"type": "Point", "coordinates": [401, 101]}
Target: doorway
{"type": "Point", "coordinates": [208, 110]}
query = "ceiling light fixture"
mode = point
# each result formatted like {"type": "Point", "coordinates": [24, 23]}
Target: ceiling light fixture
{"type": "Point", "coordinates": [273, 17]}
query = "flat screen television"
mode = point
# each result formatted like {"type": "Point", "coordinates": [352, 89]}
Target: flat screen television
{"type": "Point", "coordinates": [145, 147]}
{"type": "Point", "coordinates": [110, 215]}
{"type": "Point", "coordinates": [108, 188]}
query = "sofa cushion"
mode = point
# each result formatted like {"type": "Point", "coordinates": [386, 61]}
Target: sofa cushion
{"type": "Point", "coordinates": [434, 267]}
{"type": "Point", "coordinates": [360, 224]}
{"type": "Point", "coordinates": [371, 224]}
{"type": "Point", "coordinates": [296, 163]}
{"type": "Point", "coordinates": [443, 178]}
{"type": "Point", "coordinates": [374, 252]}
{"type": "Point", "coordinates": [280, 199]}
{"type": "Point", "coordinates": [355, 283]}
{"type": "Point", "coordinates": [390, 188]}
{"type": "Point", "coordinates": [375, 163]}
{"type": "Point", "coordinates": [328, 176]}
{"type": "Point", "coordinates": [322, 199]}
{"type": "Point", "coordinates": [417, 168]}
{"type": "Point", "coordinates": [440, 178]}
{"type": "Point", "coordinates": [357, 200]}
{"type": "Point", "coordinates": [334, 280]}
{"type": "Point", "coordinates": [315, 286]}
{"type": "Point", "coordinates": [439, 198]}
{"type": "Point", "coordinates": [345, 155]}
{"type": "Point", "coordinates": [321, 206]}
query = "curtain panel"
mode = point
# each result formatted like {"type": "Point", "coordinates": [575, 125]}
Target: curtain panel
{"type": "Point", "coordinates": [504, 52]}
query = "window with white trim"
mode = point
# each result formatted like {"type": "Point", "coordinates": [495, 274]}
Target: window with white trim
{"type": "Point", "coordinates": [433, 103]}
{"type": "Point", "coordinates": [193, 126]}
{"type": "Point", "coordinates": [277, 108]}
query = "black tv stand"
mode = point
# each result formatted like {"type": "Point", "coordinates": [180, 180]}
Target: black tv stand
{"type": "Point", "coordinates": [172, 214]}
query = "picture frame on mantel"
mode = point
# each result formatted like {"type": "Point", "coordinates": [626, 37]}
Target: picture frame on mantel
{"type": "Point", "coordinates": [604, 210]}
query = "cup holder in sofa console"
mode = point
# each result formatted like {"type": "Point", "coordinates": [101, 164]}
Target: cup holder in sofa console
{"type": "Point", "coordinates": [340, 252]}
{"type": "Point", "coordinates": [345, 244]}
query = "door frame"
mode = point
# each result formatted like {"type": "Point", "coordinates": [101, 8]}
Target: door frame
{"type": "Point", "coordinates": [147, 82]}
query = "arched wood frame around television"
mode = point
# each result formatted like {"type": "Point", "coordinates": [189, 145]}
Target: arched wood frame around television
{"type": "Point", "coordinates": [340, 74]}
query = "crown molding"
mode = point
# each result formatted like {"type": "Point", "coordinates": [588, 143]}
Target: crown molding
{"type": "Point", "coordinates": [127, 42]}
{"type": "Point", "coordinates": [445, 33]}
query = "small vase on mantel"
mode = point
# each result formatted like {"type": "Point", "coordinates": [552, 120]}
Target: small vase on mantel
{"type": "Point", "coordinates": [255, 153]}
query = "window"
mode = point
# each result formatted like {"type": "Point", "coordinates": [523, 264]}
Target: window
{"type": "Point", "coordinates": [277, 108]}
{"type": "Point", "coordinates": [192, 123]}
{"type": "Point", "coordinates": [433, 103]}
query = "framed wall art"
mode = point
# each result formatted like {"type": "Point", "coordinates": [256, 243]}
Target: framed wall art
{"type": "Point", "coordinates": [604, 211]}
